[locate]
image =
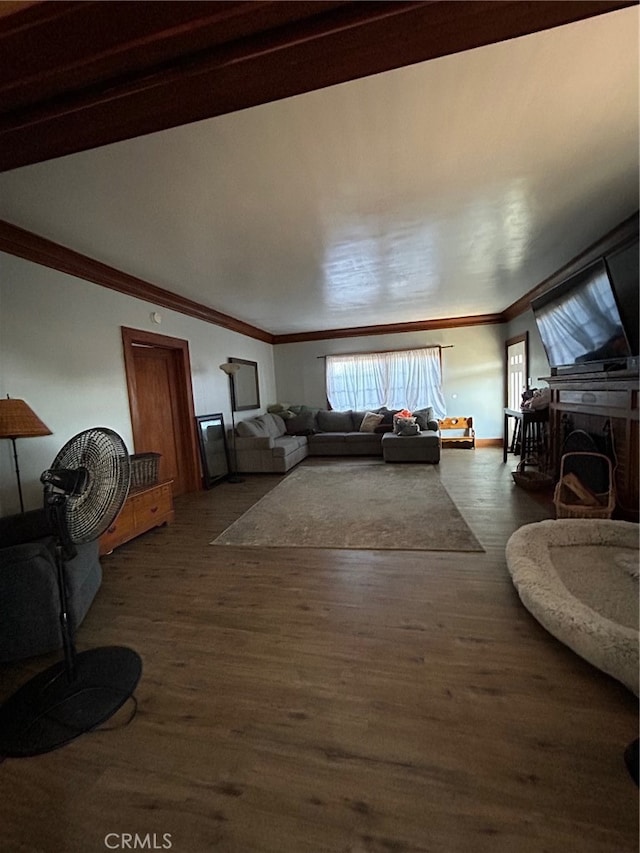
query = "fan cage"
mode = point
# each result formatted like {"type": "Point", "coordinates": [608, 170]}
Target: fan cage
{"type": "Point", "coordinates": [104, 455]}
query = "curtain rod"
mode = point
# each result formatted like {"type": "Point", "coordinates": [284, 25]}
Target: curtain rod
{"type": "Point", "coordinates": [376, 351]}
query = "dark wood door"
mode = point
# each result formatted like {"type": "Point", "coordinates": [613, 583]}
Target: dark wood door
{"type": "Point", "coordinates": [159, 383]}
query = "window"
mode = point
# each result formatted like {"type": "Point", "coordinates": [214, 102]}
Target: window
{"type": "Point", "coordinates": [409, 379]}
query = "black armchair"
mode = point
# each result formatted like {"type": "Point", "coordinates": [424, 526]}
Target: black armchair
{"type": "Point", "coordinates": [29, 598]}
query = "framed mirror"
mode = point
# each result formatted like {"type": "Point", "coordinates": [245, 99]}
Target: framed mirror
{"type": "Point", "coordinates": [245, 392]}
{"type": "Point", "coordinates": [214, 454]}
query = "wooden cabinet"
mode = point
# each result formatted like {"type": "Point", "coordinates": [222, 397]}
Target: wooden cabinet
{"type": "Point", "coordinates": [146, 507]}
{"type": "Point", "coordinates": [606, 406]}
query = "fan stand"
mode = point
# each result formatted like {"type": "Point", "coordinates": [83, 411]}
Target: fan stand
{"type": "Point", "coordinates": [75, 695]}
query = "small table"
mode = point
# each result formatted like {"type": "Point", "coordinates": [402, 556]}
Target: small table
{"type": "Point", "coordinates": [525, 424]}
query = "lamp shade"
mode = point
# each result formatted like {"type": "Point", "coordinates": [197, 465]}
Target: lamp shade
{"type": "Point", "coordinates": [18, 420]}
{"type": "Point", "coordinates": [230, 368]}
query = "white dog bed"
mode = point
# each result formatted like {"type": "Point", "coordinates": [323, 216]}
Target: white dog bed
{"type": "Point", "coordinates": [579, 578]}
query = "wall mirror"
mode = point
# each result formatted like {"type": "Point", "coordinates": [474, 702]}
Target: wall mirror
{"type": "Point", "coordinates": [214, 454]}
{"type": "Point", "coordinates": [245, 393]}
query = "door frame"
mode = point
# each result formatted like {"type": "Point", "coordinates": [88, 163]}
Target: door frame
{"type": "Point", "coordinates": [517, 339]}
{"type": "Point", "coordinates": [180, 349]}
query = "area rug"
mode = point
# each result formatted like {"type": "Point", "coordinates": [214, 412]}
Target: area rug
{"type": "Point", "coordinates": [355, 506]}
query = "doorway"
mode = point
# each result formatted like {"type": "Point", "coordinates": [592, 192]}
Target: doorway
{"type": "Point", "coordinates": [158, 370]}
{"type": "Point", "coordinates": [517, 367]}
{"type": "Point", "coordinates": [516, 372]}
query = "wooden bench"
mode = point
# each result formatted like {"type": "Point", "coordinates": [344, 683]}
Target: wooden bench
{"type": "Point", "coordinates": [461, 433]}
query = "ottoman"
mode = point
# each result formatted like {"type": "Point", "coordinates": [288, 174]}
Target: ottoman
{"type": "Point", "coordinates": [424, 447]}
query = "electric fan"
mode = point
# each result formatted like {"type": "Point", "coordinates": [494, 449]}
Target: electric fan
{"type": "Point", "coordinates": [84, 490]}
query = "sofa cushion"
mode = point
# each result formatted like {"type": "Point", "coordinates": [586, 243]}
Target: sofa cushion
{"type": "Point", "coordinates": [252, 428]}
{"type": "Point", "coordinates": [262, 426]}
{"type": "Point", "coordinates": [426, 419]}
{"type": "Point", "coordinates": [357, 418]}
{"type": "Point", "coordinates": [302, 424]}
{"type": "Point", "coordinates": [276, 425]}
{"type": "Point", "coordinates": [322, 437]}
{"type": "Point", "coordinates": [370, 421]}
{"type": "Point", "coordinates": [330, 421]}
{"type": "Point", "coordinates": [287, 444]}
{"type": "Point", "coordinates": [361, 439]}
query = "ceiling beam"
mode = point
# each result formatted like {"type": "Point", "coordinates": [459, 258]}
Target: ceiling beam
{"type": "Point", "coordinates": [78, 75]}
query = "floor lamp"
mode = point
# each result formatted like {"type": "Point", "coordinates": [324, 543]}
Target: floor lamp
{"type": "Point", "coordinates": [18, 420]}
{"type": "Point", "coordinates": [231, 369]}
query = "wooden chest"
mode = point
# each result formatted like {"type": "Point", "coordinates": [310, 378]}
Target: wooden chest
{"type": "Point", "coordinates": [146, 507]}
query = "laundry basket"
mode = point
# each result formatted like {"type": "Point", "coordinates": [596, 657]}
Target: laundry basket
{"type": "Point", "coordinates": [585, 488]}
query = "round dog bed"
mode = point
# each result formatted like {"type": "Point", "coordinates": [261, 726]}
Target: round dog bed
{"type": "Point", "coordinates": [579, 578]}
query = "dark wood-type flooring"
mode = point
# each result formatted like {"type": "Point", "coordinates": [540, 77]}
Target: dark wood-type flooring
{"type": "Point", "coordinates": [320, 700]}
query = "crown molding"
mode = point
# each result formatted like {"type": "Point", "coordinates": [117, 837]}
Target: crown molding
{"type": "Point", "coordinates": [617, 237]}
{"type": "Point", "coordinates": [389, 329]}
{"type": "Point", "coordinates": [39, 250]}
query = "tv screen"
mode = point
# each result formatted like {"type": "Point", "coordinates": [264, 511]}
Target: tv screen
{"type": "Point", "coordinates": [579, 321]}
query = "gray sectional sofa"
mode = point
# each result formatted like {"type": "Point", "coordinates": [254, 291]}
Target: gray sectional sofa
{"type": "Point", "coordinates": [278, 440]}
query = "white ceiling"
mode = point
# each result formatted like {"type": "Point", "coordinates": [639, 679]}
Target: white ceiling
{"type": "Point", "coordinates": [448, 188]}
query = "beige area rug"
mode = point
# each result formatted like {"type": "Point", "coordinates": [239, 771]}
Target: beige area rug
{"type": "Point", "coordinates": [373, 506]}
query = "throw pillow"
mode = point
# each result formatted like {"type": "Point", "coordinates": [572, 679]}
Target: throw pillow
{"type": "Point", "coordinates": [426, 419]}
{"type": "Point", "coordinates": [302, 424]}
{"type": "Point", "coordinates": [387, 415]}
{"type": "Point", "coordinates": [405, 426]}
{"type": "Point", "coordinates": [370, 421]}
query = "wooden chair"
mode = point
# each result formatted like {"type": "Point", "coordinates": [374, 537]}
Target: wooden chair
{"type": "Point", "coordinates": [462, 433]}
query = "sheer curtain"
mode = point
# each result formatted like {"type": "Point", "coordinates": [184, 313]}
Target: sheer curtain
{"type": "Point", "coordinates": [409, 379]}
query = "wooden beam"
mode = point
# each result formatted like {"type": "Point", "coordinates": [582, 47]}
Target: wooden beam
{"type": "Point", "coordinates": [77, 75]}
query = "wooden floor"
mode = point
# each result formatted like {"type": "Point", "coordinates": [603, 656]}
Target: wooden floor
{"type": "Point", "coordinates": [349, 701]}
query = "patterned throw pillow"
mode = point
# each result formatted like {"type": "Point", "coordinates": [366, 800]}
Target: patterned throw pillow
{"type": "Point", "coordinates": [370, 421]}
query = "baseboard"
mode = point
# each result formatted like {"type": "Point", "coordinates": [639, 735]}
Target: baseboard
{"type": "Point", "coordinates": [488, 442]}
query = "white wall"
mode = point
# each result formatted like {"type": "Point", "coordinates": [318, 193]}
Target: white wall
{"type": "Point", "coordinates": [473, 369]}
{"type": "Point", "coordinates": [61, 352]}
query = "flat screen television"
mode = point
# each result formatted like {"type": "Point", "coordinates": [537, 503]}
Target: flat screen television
{"type": "Point", "coordinates": [579, 323]}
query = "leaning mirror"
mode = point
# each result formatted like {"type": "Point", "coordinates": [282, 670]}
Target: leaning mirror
{"type": "Point", "coordinates": [245, 393]}
{"type": "Point", "coordinates": [214, 454]}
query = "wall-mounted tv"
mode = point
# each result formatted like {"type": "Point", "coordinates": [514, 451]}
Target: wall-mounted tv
{"type": "Point", "coordinates": [579, 322]}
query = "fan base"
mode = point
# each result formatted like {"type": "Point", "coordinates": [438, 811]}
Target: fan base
{"type": "Point", "coordinates": [51, 710]}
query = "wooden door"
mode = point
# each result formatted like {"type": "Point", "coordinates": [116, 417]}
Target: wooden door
{"type": "Point", "coordinates": [156, 380]}
{"type": "Point", "coordinates": [162, 416]}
